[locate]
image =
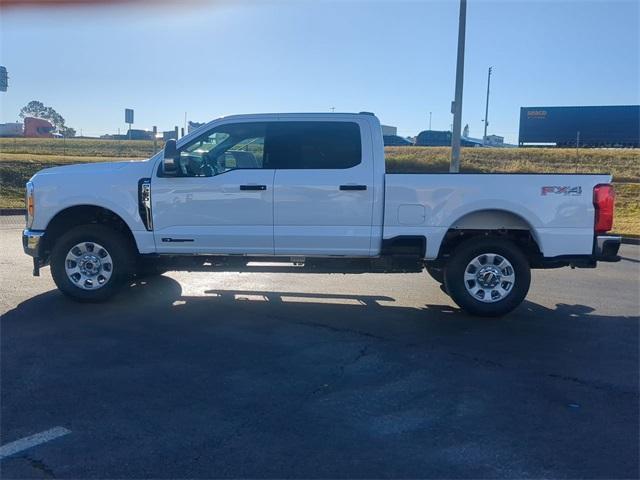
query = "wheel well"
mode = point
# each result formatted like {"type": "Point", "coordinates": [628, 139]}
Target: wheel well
{"type": "Point", "coordinates": [521, 238]}
{"type": "Point", "coordinates": [491, 219]}
{"type": "Point", "coordinates": [82, 215]}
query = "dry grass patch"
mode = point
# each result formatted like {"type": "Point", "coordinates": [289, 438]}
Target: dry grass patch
{"type": "Point", "coordinates": [79, 147]}
{"type": "Point", "coordinates": [627, 216]}
{"type": "Point", "coordinates": [623, 164]}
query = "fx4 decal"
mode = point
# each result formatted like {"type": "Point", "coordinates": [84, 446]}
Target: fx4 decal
{"type": "Point", "coordinates": [574, 191]}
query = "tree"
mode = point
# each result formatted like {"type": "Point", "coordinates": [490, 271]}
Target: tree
{"type": "Point", "coordinates": [33, 109]}
{"type": "Point", "coordinates": [68, 132]}
{"type": "Point", "coordinates": [39, 110]}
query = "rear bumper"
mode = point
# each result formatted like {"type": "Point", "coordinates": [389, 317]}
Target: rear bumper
{"type": "Point", "coordinates": [606, 248]}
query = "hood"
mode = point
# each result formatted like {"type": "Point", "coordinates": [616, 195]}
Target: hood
{"type": "Point", "coordinates": [88, 168]}
{"type": "Point", "coordinates": [141, 168]}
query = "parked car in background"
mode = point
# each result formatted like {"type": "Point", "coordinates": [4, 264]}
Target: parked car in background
{"type": "Point", "coordinates": [395, 141]}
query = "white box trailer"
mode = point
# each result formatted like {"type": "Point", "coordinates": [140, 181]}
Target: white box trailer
{"type": "Point", "coordinates": [11, 130]}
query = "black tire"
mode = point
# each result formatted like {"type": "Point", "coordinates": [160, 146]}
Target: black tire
{"type": "Point", "coordinates": [436, 273]}
{"type": "Point", "coordinates": [118, 247]}
{"type": "Point", "coordinates": [460, 260]}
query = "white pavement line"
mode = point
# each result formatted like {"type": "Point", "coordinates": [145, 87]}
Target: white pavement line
{"type": "Point", "coordinates": [32, 441]}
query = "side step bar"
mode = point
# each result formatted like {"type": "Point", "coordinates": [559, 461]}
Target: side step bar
{"type": "Point", "coordinates": [385, 264]}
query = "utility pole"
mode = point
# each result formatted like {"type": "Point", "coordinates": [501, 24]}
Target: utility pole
{"type": "Point", "coordinates": [155, 139]}
{"type": "Point", "coordinates": [429, 120]}
{"type": "Point", "coordinates": [486, 109]}
{"type": "Point", "coordinates": [456, 106]}
{"type": "Point", "coordinates": [577, 149]}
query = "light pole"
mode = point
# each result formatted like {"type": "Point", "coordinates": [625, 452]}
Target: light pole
{"type": "Point", "coordinates": [456, 106]}
{"type": "Point", "coordinates": [486, 109]}
{"type": "Point", "coordinates": [429, 120]}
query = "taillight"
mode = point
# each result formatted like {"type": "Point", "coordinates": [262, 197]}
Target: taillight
{"type": "Point", "coordinates": [604, 197]}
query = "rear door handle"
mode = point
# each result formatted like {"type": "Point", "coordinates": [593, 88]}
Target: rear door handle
{"type": "Point", "coordinates": [353, 187]}
{"type": "Point", "coordinates": [253, 187]}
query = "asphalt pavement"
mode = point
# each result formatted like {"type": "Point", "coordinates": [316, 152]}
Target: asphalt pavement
{"type": "Point", "coordinates": [196, 375]}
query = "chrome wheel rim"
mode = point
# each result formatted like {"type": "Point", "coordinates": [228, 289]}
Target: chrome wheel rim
{"type": "Point", "coordinates": [489, 277]}
{"type": "Point", "coordinates": [88, 265]}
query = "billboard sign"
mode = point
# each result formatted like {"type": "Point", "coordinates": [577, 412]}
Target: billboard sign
{"type": "Point", "coordinates": [616, 125]}
{"type": "Point", "coordinates": [128, 115]}
{"type": "Point", "coordinates": [4, 79]}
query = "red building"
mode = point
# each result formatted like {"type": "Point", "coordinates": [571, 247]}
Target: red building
{"type": "Point", "coordinates": [38, 128]}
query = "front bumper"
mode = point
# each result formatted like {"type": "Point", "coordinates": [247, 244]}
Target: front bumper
{"type": "Point", "coordinates": [31, 242]}
{"type": "Point", "coordinates": [606, 248]}
{"type": "Point", "coordinates": [32, 245]}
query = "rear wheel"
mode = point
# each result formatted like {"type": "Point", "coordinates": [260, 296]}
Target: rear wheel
{"type": "Point", "coordinates": [488, 277]}
{"type": "Point", "coordinates": [91, 262]}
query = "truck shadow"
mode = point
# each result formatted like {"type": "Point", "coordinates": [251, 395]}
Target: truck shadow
{"type": "Point", "coordinates": [161, 300]}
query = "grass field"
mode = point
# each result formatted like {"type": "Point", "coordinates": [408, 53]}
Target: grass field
{"type": "Point", "coordinates": [21, 158]}
{"type": "Point", "coordinates": [78, 147]}
{"type": "Point", "coordinates": [623, 164]}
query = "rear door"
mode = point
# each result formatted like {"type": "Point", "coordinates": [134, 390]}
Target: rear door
{"type": "Point", "coordinates": [323, 186]}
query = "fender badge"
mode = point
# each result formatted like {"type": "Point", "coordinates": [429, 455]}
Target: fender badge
{"type": "Point", "coordinates": [553, 190]}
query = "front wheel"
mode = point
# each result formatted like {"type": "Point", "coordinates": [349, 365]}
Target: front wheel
{"type": "Point", "coordinates": [488, 277]}
{"type": "Point", "coordinates": [90, 263]}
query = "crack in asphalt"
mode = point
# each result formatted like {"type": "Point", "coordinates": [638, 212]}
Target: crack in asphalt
{"type": "Point", "coordinates": [237, 431]}
{"type": "Point", "coordinates": [480, 361]}
{"type": "Point", "coordinates": [233, 435]}
{"type": "Point", "coordinates": [595, 385]}
{"type": "Point", "coordinates": [341, 330]}
{"type": "Point", "coordinates": [483, 362]}
{"type": "Point", "coordinates": [363, 352]}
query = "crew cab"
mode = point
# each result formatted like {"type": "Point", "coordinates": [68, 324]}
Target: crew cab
{"type": "Point", "coordinates": [309, 192]}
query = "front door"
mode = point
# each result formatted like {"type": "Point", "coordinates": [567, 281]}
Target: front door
{"type": "Point", "coordinates": [220, 199]}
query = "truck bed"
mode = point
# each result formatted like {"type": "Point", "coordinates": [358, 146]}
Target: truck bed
{"type": "Point", "coordinates": [557, 208]}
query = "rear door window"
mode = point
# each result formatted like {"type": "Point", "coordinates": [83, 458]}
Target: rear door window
{"type": "Point", "coordinates": [313, 145]}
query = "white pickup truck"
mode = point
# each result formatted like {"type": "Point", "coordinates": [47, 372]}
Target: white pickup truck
{"type": "Point", "coordinates": [309, 192]}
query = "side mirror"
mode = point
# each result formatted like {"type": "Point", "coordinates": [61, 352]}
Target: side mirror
{"type": "Point", "coordinates": [170, 160]}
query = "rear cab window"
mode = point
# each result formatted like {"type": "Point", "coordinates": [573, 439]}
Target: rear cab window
{"type": "Point", "coordinates": [313, 145]}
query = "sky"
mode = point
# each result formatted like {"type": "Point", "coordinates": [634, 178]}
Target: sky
{"type": "Point", "coordinates": [394, 58]}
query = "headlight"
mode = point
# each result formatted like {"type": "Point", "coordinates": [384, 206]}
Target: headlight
{"type": "Point", "coordinates": [30, 204]}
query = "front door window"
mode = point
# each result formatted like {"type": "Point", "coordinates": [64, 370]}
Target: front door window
{"type": "Point", "coordinates": [227, 147]}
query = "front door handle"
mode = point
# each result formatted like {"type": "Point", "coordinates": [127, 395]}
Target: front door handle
{"type": "Point", "coordinates": [353, 187]}
{"type": "Point", "coordinates": [253, 187]}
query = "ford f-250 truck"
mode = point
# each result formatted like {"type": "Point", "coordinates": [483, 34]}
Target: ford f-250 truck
{"type": "Point", "coordinates": [309, 192]}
